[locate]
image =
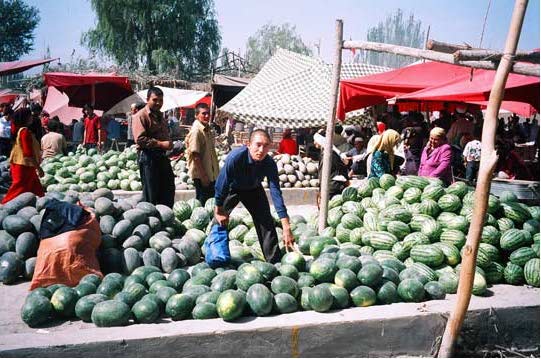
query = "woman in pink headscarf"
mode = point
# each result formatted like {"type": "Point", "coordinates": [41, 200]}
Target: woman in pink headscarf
{"type": "Point", "coordinates": [436, 157]}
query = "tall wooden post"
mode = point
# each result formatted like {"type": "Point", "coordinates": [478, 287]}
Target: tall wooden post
{"type": "Point", "coordinates": [486, 168]}
{"type": "Point", "coordinates": [326, 170]}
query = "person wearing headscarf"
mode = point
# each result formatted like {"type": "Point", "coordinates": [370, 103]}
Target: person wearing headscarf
{"type": "Point", "coordinates": [369, 150]}
{"type": "Point", "coordinates": [383, 157]}
{"type": "Point", "coordinates": [436, 157]}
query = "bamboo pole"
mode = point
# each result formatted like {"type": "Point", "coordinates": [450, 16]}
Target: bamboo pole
{"type": "Point", "coordinates": [326, 170]}
{"type": "Point", "coordinates": [486, 168]}
{"type": "Point", "coordinates": [517, 68]}
{"type": "Point", "coordinates": [491, 55]}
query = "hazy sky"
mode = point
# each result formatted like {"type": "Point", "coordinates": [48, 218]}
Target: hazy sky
{"type": "Point", "coordinates": [456, 21]}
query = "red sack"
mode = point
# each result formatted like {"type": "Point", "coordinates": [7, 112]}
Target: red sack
{"type": "Point", "coordinates": [66, 258]}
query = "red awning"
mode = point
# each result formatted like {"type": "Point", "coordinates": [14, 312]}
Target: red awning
{"type": "Point", "coordinates": [518, 89]}
{"type": "Point", "coordinates": [207, 99]}
{"type": "Point", "coordinates": [430, 82]}
{"type": "Point", "coordinates": [375, 89]}
{"type": "Point", "coordinates": [14, 67]}
{"type": "Point", "coordinates": [108, 89]}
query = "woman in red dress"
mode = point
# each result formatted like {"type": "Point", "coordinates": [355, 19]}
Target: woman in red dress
{"type": "Point", "coordinates": [24, 159]}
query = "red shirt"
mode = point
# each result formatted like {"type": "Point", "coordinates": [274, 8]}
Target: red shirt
{"type": "Point", "coordinates": [288, 145]}
{"type": "Point", "coordinates": [381, 127]}
{"type": "Point", "coordinates": [92, 125]}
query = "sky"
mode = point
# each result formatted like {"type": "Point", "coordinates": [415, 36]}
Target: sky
{"type": "Point", "coordinates": [64, 21]}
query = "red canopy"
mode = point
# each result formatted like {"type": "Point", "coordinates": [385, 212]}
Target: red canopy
{"type": "Point", "coordinates": [14, 67]}
{"type": "Point", "coordinates": [519, 89]}
{"type": "Point", "coordinates": [432, 81]}
{"type": "Point", "coordinates": [375, 89]}
{"type": "Point", "coordinates": [108, 89]}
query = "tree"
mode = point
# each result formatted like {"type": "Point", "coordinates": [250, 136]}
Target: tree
{"type": "Point", "coordinates": [17, 24]}
{"type": "Point", "coordinates": [261, 46]}
{"type": "Point", "coordinates": [394, 30]}
{"type": "Point", "coordinates": [180, 36]}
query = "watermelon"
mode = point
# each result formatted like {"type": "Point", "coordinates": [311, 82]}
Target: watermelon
{"type": "Point", "coordinates": [386, 181]}
{"type": "Point", "coordinates": [435, 290]}
{"type": "Point", "coordinates": [281, 284]}
{"type": "Point", "coordinates": [531, 272]}
{"type": "Point", "coordinates": [260, 299]}
{"type": "Point", "coordinates": [370, 274]}
{"type": "Point", "coordinates": [411, 290]}
{"type": "Point", "coordinates": [349, 194]}
{"type": "Point", "coordinates": [36, 310]}
{"type": "Point", "coordinates": [320, 298]}
{"type": "Point", "coordinates": [449, 282]}
{"type": "Point", "coordinates": [284, 303]}
{"type": "Point", "coordinates": [513, 239]}
{"type": "Point", "coordinates": [428, 254]}
{"type": "Point", "coordinates": [522, 255]}
{"type": "Point", "coordinates": [230, 304]}
{"type": "Point", "coordinates": [248, 275]}
{"type": "Point", "coordinates": [363, 296]}
{"type": "Point", "coordinates": [323, 270]}
{"type": "Point", "coordinates": [449, 202]}
{"type": "Point", "coordinates": [513, 274]}
{"type": "Point", "coordinates": [111, 313]}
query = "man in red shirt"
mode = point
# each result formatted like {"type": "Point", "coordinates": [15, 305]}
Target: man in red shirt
{"type": "Point", "coordinates": [287, 144]}
{"type": "Point", "coordinates": [92, 135]}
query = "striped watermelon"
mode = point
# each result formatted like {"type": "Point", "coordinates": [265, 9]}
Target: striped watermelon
{"type": "Point", "coordinates": [479, 285]}
{"type": "Point", "coordinates": [351, 221]}
{"type": "Point", "coordinates": [449, 202]}
{"type": "Point", "coordinates": [522, 255]}
{"type": "Point", "coordinates": [395, 192]}
{"type": "Point", "coordinates": [342, 233]}
{"type": "Point", "coordinates": [335, 201]}
{"type": "Point", "coordinates": [427, 254]}
{"type": "Point", "coordinates": [429, 207]}
{"type": "Point", "coordinates": [535, 247]}
{"type": "Point", "coordinates": [368, 203]}
{"type": "Point", "coordinates": [386, 181]}
{"type": "Point", "coordinates": [367, 250]}
{"type": "Point", "coordinates": [434, 181]}
{"type": "Point", "coordinates": [483, 258]}
{"type": "Point", "coordinates": [445, 217]}
{"type": "Point", "coordinates": [513, 274]}
{"type": "Point", "coordinates": [355, 236]}
{"type": "Point", "coordinates": [334, 217]}
{"type": "Point", "coordinates": [433, 192]}
{"type": "Point", "coordinates": [531, 225]}
{"type": "Point", "coordinates": [382, 254]}
{"type": "Point", "coordinates": [451, 253]}
{"type": "Point", "coordinates": [349, 194]}
{"type": "Point", "coordinates": [378, 194]}
{"type": "Point", "coordinates": [531, 272]}
{"type": "Point", "coordinates": [411, 181]}
{"type": "Point", "coordinates": [399, 229]}
{"type": "Point", "coordinates": [370, 221]}
{"type": "Point", "coordinates": [505, 223]}
{"type": "Point", "coordinates": [379, 240]}
{"type": "Point", "coordinates": [515, 212]}
{"type": "Point", "coordinates": [412, 195]}
{"type": "Point", "coordinates": [432, 230]}
{"type": "Point", "coordinates": [415, 238]}
{"type": "Point", "coordinates": [353, 208]}
{"type": "Point", "coordinates": [493, 204]}
{"type": "Point", "coordinates": [534, 212]}
{"type": "Point", "coordinates": [460, 223]}
{"type": "Point", "coordinates": [490, 235]}
{"type": "Point", "coordinates": [425, 271]}
{"type": "Point", "coordinates": [397, 213]}
{"type": "Point", "coordinates": [454, 237]}
{"type": "Point", "coordinates": [458, 188]}
{"type": "Point", "coordinates": [513, 239]}
{"type": "Point", "coordinates": [494, 273]}
{"type": "Point", "coordinates": [491, 251]}
{"type": "Point", "coordinates": [468, 199]}
{"type": "Point", "coordinates": [418, 220]}
{"type": "Point", "coordinates": [401, 250]}
{"type": "Point", "coordinates": [382, 224]}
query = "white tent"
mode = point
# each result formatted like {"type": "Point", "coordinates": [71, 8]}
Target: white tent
{"type": "Point", "coordinates": [172, 98]}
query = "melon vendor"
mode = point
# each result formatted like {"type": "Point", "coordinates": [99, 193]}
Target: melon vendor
{"type": "Point", "coordinates": [240, 181]}
{"type": "Point", "coordinates": [151, 135]}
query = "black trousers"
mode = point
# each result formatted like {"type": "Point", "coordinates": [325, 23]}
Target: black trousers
{"type": "Point", "coordinates": [202, 193]}
{"type": "Point", "coordinates": [157, 177]}
{"type": "Point", "coordinates": [257, 204]}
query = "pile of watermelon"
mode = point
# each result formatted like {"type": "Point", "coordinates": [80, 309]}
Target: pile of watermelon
{"type": "Point", "coordinates": [389, 240]}
{"type": "Point", "coordinates": [87, 170]}
{"type": "Point", "coordinates": [5, 175]}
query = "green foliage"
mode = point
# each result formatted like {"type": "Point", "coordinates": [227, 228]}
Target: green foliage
{"type": "Point", "coordinates": [261, 46]}
{"type": "Point", "coordinates": [159, 36]}
{"type": "Point", "coordinates": [17, 24]}
{"type": "Point", "coordinates": [396, 30]}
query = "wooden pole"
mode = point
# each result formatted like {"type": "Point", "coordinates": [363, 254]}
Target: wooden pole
{"type": "Point", "coordinates": [445, 47]}
{"type": "Point", "coordinates": [327, 152]}
{"type": "Point", "coordinates": [517, 68]}
{"type": "Point", "coordinates": [486, 168]}
{"type": "Point", "coordinates": [491, 55]}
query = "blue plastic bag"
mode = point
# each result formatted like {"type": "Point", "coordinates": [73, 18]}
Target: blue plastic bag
{"type": "Point", "coordinates": [217, 247]}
